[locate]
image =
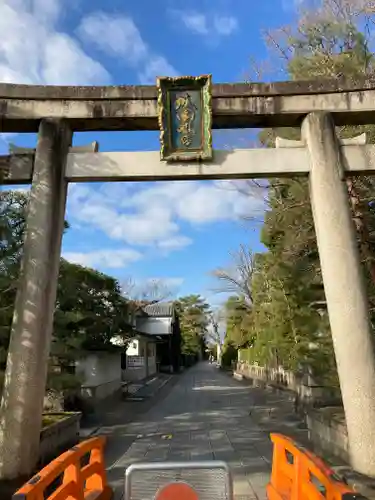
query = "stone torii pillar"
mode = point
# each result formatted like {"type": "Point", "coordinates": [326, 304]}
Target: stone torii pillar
{"type": "Point", "coordinates": [26, 370]}
{"type": "Point", "coordinates": [344, 287]}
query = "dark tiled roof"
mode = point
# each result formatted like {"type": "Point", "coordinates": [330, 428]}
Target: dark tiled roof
{"type": "Point", "coordinates": [159, 310]}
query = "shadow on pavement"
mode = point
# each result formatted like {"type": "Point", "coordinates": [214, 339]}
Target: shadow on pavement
{"type": "Point", "coordinates": [206, 415]}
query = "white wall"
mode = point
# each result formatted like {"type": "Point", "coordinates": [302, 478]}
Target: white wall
{"type": "Point", "coordinates": [136, 366]}
{"type": "Point", "coordinates": [133, 348]}
{"type": "Point", "coordinates": [155, 326]}
{"type": "Point", "coordinates": [151, 366]}
{"type": "Point", "coordinates": [101, 374]}
{"type": "Point", "coordinates": [137, 347]}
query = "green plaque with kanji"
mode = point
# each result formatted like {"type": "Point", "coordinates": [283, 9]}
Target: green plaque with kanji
{"type": "Point", "coordinates": [185, 118]}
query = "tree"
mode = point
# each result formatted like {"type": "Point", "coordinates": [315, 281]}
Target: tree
{"type": "Point", "coordinates": [150, 292]}
{"type": "Point", "coordinates": [90, 311]}
{"type": "Point", "coordinates": [213, 329]}
{"type": "Point", "coordinates": [90, 308]}
{"type": "Point", "coordinates": [327, 43]}
{"type": "Point", "coordinates": [333, 41]}
{"type": "Point", "coordinates": [289, 324]}
{"type": "Point", "coordinates": [13, 205]}
{"type": "Point", "coordinates": [239, 321]}
{"type": "Point", "coordinates": [237, 277]}
{"type": "Point", "coordinates": [194, 313]}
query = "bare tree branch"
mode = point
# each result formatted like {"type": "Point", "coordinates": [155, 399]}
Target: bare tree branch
{"type": "Point", "coordinates": [150, 292]}
{"type": "Point", "coordinates": [238, 277]}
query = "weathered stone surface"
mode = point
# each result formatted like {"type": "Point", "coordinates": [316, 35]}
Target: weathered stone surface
{"type": "Point", "coordinates": [146, 165]}
{"type": "Point", "coordinates": [236, 164]}
{"type": "Point", "coordinates": [19, 91]}
{"type": "Point", "coordinates": [344, 288]}
{"type": "Point", "coordinates": [234, 105]}
{"type": "Point", "coordinates": [31, 333]}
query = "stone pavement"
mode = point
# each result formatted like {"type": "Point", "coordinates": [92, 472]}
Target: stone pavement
{"type": "Point", "coordinates": [205, 416]}
{"type": "Point", "coordinates": [119, 410]}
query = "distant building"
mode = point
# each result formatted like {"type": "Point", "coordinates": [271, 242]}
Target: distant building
{"type": "Point", "coordinates": [160, 321]}
{"type": "Point", "coordinates": [153, 344]}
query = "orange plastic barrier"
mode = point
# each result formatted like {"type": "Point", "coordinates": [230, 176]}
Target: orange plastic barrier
{"type": "Point", "coordinates": [79, 482]}
{"type": "Point", "coordinates": [298, 474]}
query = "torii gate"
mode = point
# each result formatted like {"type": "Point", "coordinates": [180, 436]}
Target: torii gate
{"type": "Point", "coordinates": [56, 112]}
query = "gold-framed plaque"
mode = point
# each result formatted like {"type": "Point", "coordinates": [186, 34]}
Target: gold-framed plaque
{"type": "Point", "coordinates": [185, 118]}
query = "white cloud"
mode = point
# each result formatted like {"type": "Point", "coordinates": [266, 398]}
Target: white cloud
{"type": "Point", "coordinates": [196, 202]}
{"type": "Point", "coordinates": [225, 25]}
{"type": "Point", "coordinates": [108, 258]}
{"type": "Point", "coordinates": [156, 66]}
{"type": "Point", "coordinates": [47, 10]}
{"type": "Point", "coordinates": [210, 26]}
{"type": "Point", "coordinates": [174, 243]}
{"type": "Point", "coordinates": [72, 66]}
{"type": "Point", "coordinates": [33, 51]}
{"type": "Point", "coordinates": [153, 216]}
{"type": "Point", "coordinates": [196, 22]}
{"type": "Point", "coordinates": [118, 36]}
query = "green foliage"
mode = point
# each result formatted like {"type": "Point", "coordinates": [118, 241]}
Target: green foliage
{"type": "Point", "coordinates": [229, 354]}
{"type": "Point", "coordinates": [194, 313]}
{"type": "Point", "coordinates": [287, 322]}
{"type": "Point", "coordinates": [90, 308]}
{"type": "Point", "coordinates": [63, 382]}
{"type": "Point", "coordinates": [239, 322]}
{"type": "Point", "coordinates": [13, 205]}
{"type": "Point", "coordinates": [329, 48]}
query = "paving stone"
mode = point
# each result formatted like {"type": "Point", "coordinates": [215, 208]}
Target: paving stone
{"type": "Point", "coordinates": [242, 488]}
{"type": "Point", "coordinates": [258, 482]}
{"type": "Point", "coordinates": [205, 416]}
{"type": "Point", "coordinates": [201, 457]}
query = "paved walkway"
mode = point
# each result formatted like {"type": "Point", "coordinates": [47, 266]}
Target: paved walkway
{"type": "Point", "coordinates": [205, 416]}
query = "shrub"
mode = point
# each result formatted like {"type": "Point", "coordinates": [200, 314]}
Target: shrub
{"type": "Point", "coordinates": [229, 355]}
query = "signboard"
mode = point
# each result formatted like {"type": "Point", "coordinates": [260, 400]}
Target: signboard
{"type": "Point", "coordinates": [135, 361]}
{"type": "Point", "coordinates": [185, 118]}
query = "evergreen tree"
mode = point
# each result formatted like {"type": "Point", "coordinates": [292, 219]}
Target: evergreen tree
{"type": "Point", "coordinates": [194, 315]}
{"type": "Point", "coordinates": [289, 323]}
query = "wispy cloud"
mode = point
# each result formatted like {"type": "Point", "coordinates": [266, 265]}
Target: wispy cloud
{"type": "Point", "coordinates": [34, 51]}
{"type": "Point", "coordinates": [212, 27]}
{"type": "Point", "coordinates": [153, 67]}
{"type": "Point", "coordinates": [107, 258]}
{"type": "Point", "coordinates": [119, 36]}
{"type": "Point", "coordinates": [195, 22]}
{"type": "Point", "coordinates": [116, 36]}
{"type": "Point", "coordinates": [225, 25]}
{"type": "Point", "coordinates": [154, 216]}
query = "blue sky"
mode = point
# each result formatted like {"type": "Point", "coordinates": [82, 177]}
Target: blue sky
{"type": "Point", "coordinates": [174, 232]}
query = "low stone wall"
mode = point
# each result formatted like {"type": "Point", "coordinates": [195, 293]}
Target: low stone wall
{"type": "Point", "coordinates": [307, 390]}
{"type": "Point", "coordinates": [100, 391]}
{"type": "Point", "coordinates": [134, 374]}
{"type": "Point", "coordinates": [327, 432]}
{"type": "Point", "coordinates": [319, 405]}
{"type": "Point", "coordinates": [58, 437]}
{"type": "Point", "coordinates": [277, 376]}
